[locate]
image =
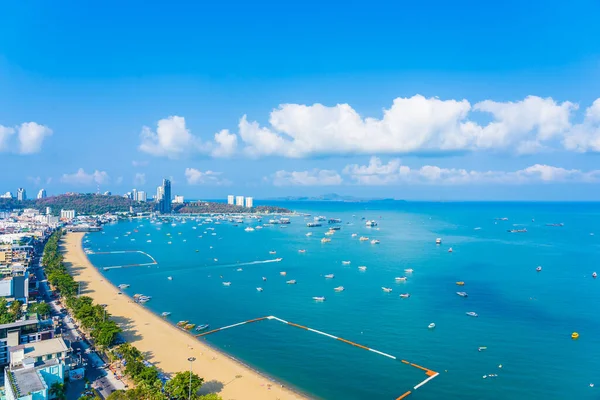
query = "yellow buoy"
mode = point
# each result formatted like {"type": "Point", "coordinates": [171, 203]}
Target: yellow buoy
{"type": "Point", "coordinates": [574, 335]}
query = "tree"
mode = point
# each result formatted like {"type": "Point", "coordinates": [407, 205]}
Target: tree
{"type": "Point", "coordinates": [57, 391]}
{"type": "Point", "coordinates": [210, 396]}
{"type": "Point", "coordinates": [129, 352]}
{"type": "Point", "coordinates": [15, 309]}
{"type": "Point", "coordinates": [42, 308]}
{"type": "Point", "coordinates": [179, 387]}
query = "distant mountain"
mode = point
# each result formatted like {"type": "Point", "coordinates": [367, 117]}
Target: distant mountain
{"type": "Point", "coordinates": [331, 197]}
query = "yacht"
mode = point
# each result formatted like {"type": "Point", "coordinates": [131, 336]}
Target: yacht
{"type": "Point", "coordinates": [201, 327]}
{"type": "Point", "coordinates": [291, 282]}
{"type": "Point", "coordinates": [364, 239]}
{"type": "Point", "coordinates": [400, 279]}
{"type": "Point", "coordinates": [346, 262]}
{"type": "Point", "coordinates": [386, 289]}
{"type": "Point", "coordinates": [362, 268]}
{"type": "Point", "coordinates": [226, 283]}
{"type": "Point", "coordinates": [374, 241]}
{"type": "Point", "coordinates": [409, 270]}
{"type": "Point", "coordinates": [431, 325]}
{"type": "Point", "coordinates": [462, 294]}
{"type": "Point", "coordinates": [319, 298]}
{"type": "Point", "coordinates": [339, 289]}
{"type": "Point", "coordinates": [259, 289]}
{"type": "Point", "coordinates": [472, 314]}
{"type": "Point", "coordinates": [594, 275]}
{"type": "Point", "coordinates": [165, 314]}
{"type": "Point", "coordinates": [538, 269]}
{"type": "Point", "coordinates": [371, 223]}
{"type": "Point", "coordinates": [405, 295]}
{"type": "Point", "coordinates": [272, 252]}
{"type": "Point", "coordinates": [329, 276]}
{"type": "Point", "coordinates": [438, 241]}
{"type": "Point", "coordinates": [249, 229]}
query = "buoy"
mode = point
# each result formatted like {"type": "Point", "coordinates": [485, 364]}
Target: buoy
{"type": "Point", "coordinates": [574, 335]}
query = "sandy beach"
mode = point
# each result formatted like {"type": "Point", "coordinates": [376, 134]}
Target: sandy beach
{"type": "Point", "coordinates": [166, 346]}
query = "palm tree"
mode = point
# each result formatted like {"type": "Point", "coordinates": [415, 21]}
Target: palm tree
{"type": "Point", "coordinates": [57, 391]}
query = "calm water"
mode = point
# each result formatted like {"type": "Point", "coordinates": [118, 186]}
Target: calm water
{"type": "Point", "coordinates": [525, 318]}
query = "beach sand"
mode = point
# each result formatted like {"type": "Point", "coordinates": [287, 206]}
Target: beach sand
{"type": "Point", "coordinates": [164, 345]}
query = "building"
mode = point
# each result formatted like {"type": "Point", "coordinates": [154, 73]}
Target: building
{"type": "Point", "coordinates": [159, 193]}
{"type": "Point", "coordinates": [165, 199]}
{"type": "Point", "coordinates": [21, 194]}
{"type": "Point", "coordinates": [48, 211]}
{"type": "Point", "coordinates": [7, 195]}
{"type": "Point", "coordinates": [23, 332]}
{"type": "Point", "coordinates": [41, 194]}
{"type": "Point", "coordinates": [178, 199]}
{"type": "Point", "coordinates": [239, 201]}
{"type": "Point", "coordinates": [108, 193]}
{"type": "Point", "coordinates": [67, 214]}
{"type": "Point", "coordinates": [249, 202]}
{"type": "Point", "coordinates": [141, 196]}
{"type": "Point", "coordinates": [231, 199]}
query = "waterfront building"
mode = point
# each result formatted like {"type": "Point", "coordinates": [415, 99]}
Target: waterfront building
{"type": "Point", "coordinates": [21, 194]}
{"type": "Point", "coordinates": [165, 201]}
{"type": "Point", "coordinates": [178, 199]}
{"type": "Point", "coordinates": [239, 201]}
{"type": "Point", "coordinates": [41, 194]}
{"type": "Point", "coordinates": [249, 202]}
{"type": "Point", "coordinates": [230, 199]}
{"type": "Point", "coordinates": [67, 214]}
{"type": "Point", "coordinates": [24, 331]}
{"type": "Point", "coordinates": [141, 196]}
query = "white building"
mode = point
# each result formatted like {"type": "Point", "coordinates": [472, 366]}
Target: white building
{"type": "Point", "coordinates": [178, 199]}
{"type": "Point", "coordinates": [48, 211]}
{"type": "Point", "coordinates": [239, 201]}
{"type": "Point", "coordinates": [159, 193]}
{"type": "Point", "coordinates": [67, 214]}
{"type": "Point", "coordinates": [134, 195]}
{"type": "Point", "coordinates": [141, 196]}
{"type": "Point", "coordinates": [21, 194]}
{"type": "Point", "coordinates": [7, 195]}
{"type": "Point", "coordinates": [249, 202]}
{"type": "Point", "coordinates": [231, 199]}
{"type": "Point", "coordinates": [41, 194]}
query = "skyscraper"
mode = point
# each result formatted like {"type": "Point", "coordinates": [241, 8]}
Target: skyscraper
{"type": "Point", "coordinates": [21, 194]}
{"type": "Point", "coordinates": [134, 196]}
{"type": "Point", "coordinates": [141, 196]}
{"type": "Point", "coordinates": [249, 202]}
{"type": "Point", "coordinates": [239, 201]}
{"type": "Point", "coordinates": [159, 193]}
{"type": "Point", "coordinates": [165, 203]}
{"type": "Point", "coordinates": [230, 199]}
{"type": "Point", "coordinates": [41, 194]}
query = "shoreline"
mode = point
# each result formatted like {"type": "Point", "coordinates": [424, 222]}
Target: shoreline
{"type": "Point", "coordinates": [149, 333]}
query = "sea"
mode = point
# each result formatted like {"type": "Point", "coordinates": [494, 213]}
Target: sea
{"type": "Point", "coordinates": [519, 346]}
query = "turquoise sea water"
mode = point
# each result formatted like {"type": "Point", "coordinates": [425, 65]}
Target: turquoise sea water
{"type": "Point", "coordinates": [525, 318]}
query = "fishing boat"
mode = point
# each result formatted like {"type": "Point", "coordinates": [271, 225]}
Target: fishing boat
{"type": "Point", "coordinates": [170, 278]}
{"type": "Point", "coordinates": [272, 252]}
{"type": "Point", "coordinates": [201, 327]}
{"type": "Point", "coordinates": [462, 294]}
{"type": "Point", "coordinates": [329, 276]}
{"type": "Point", "coordinates": [538, 269]}
{"type": "Point", "coordinates": [339, 289]}
{"type": "Point", "coordinates": [374, 241]}
{"type": "Point", "coordinates": [291, 282]}
{"type": "Point", "coordinates": [282, 273]}
{"type": "Point", "coordinates": [438, 241]}
{"type": "Point", "coordinates": [165, 314]}
{"type": "Point", "coordinates": [182, 323]}
{"type": "Point", "coordinates": [362, 268]}
{"type": "Point", "coordinates": [400, 279]}
{"type": "Point", "coordinates": [405, 295]}
{"type": "Point", "coordinates": [259, 289]}
{"type": "Point", "coordinates": [189, 327]}
{"type": "Point", "coordinates": [472, 314]}
{"type": "Point", "coordinates": [386, 289]}
{"type": "Point", "coordinates": [460, 283]}
{"type": "Point", "coordinates": [450, 250]}
{"type": "Point", "coordinates": [346, 262]}
{"type": "Point", "coordinates": [431, 325]}
{"type": "Point", "coordinates": [409, 270]}
{"type": "Point", "coordinates": [363, 239]}
{"type": "Point", "coordinates": [226, 283]}
{"type": "Point", "coordinates": [325, 240]}
{"type": "Point", "coordinates": [319, 298]}
{"type": "Point", "coordinates": [126, 285]}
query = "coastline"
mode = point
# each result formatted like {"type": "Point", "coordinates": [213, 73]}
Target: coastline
{"type": "Point", "coordinates": [150, 334]}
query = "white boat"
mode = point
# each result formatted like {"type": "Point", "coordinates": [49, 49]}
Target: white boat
{"type": "Point", "coordinates": [258, 227]}
{"type": "Point", "coordinates": [309, 234]}
{"type": "Point", "coordinates": [264, 278]}
{"type": "Point", "coordinates": [329, 276]}
{"type": "Point", "coordinates": [319, 298]}
{"type": "Point", "coordinates": [386, 289]}
{"type": "Point", "coordinates": [291, 282]}
{"type": "Point", "coordinates": [259, 289]}
{"type": "Point", "coordinates": [438, 241]}
{"type": "Point", "coordinates": [170, 278]}
{"type": "Point", "coordinates": [354, 234]}
{"type": "Point", "coordinates": [148, 241]}
{"type": "Point", "coordinates": [450, 250]}
{"type": "Point", "coordinates": [283, 273]}
{"type": "Point", "coordinates": [371, 223]}
{"type": "Point", "coordinates": [409, 270]}
{"type": "Point", "coordinates": [302, 251]}
{"type": "Point", "coordinates": [249, 229]}
{"type": "Point", "coordinates": [472, 314]}
{"type": "Point", "coordinates": [405, 295]}
{"type": "Point", "coordinates": [538, 269]}
{"type": "Point", "coordinates": [431, 325]}
{"type": "Point", "coordinates": [278, 259]}
{"type": "Point", "coordinates": [400, 279]}
{"type": "Point", "coordinates": [364, 239]}
{"type": "Point", "coordinates": [216, 259]}
{"type": "Point", "coordinates": [272, 252]}
{"type": "Point", "coordinates": [462, 294]}
{"type": "Point", "coordinates": [339, 289]}
{"type": "Point", "coordinates": [362, 268]}
{"type": "Point", "coordinates": [346, 262]}
{"type": "Point", "coordinates": [226, 283]}
{"type": "Point", "coordinates": [202, 327]}
{"type": "Point", "coordinates": [165, 314]}
{"type": "Point", "coordinates": [594, 275]}
{"type": "Point", "coordinates": [329, 233]}
{"type": "Point", "coordinates": [123, 286]}
{"type": "Point", "coordinates": [325, 240]}
{"type": "Point", "coordinates": [374, 241]}
{"type": "Point", "coordinates": [239, 270]}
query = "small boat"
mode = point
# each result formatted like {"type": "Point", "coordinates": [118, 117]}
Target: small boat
{"type": "Point", "coordinates": [302, 251]}
{"type": "Point", "coordinates": [201, 327]}
{"type": "Point", "coordinates": [309, 234]}
{"type": "Point", "coordinates": [538, 269]}
{"type": "Point", "coordinates": [431, 325]}
{"type": "Point", "coordinates": [374, 241]}
{"type": "Point", "coordinates": [386, 289]}
{"type": "Point", "coordinates": [594, 275]}
{"type": "Point", "coordinates": [450, 250]}
{"type": "Point", "coordinates": [278, 259]}
{"type": "Point", "coordinates": [460, 283]}
{"type": "Point", "coordinates": [400, 279]}
{"type": "Point", "coordinates": [291, 282]}
{"type": "Point", "coordinates": [189, 327]}
{"type": "Point", "coordinates": [148, 241]}
{"type": "Point", "coordinates": [438, 241]}
{"type": "Point", "coordinates": [482, 348]}
{"type": "Point", "coordinates": [319, 298]}
{"type": "Point", "coordinates": [264, 278]}
{"type": "Point", "coordinates": [371, 223]}
{"type": "Point", "coordinates": [362, 268]}
{"type": "Point", "coordinates": [325, 240]}
{"type": "Point", "coordinates": [282, 273]}
{"type": "Point", "coordinates": [363, 239]}
{"type": "Point", "coordinates": [182, 323]}
{"type": "Point", "coordinates": [346, 262]}
{"type": "Point", "coordinates": [165, 314]}
{"type": "Point", "coordinates": [339, 289]}
{"type": "Point", "coordinates": [272, 252]}
{"type": "Point", "coordinates": [329, 276]}
{"type": "Point", "coordinates": [170, 278]}
{"type": "Point", "coordinates": [216, 259]}
{"type": "Point", "coordinates": [462, 294]}
{"type": "Point", "coordinates": [329, 233]}
{"type": "Point", "coordinates": [226, 283]}
{"type": "Point", "coordinates": [409, 270]}
{"type": "Point", "coordinates": [249, 229]}
{"type": "Point", "coordinates": [405, 295]}
{"type": "Point", "coordinates": [259, 289]}
{"type": "Point", "coordinates": [472, 314]}
{"type": "Point", "coordinates": [354, 234]}
{"type": "Point", "coordinates": [239, 270]}
{"type": "Point", "coordinates": [126, 285]}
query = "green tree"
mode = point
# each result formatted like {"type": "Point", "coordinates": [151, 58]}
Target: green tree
{"type": "Point", "coordinates": [15, 309]}
{"type": "Point", "coordinates": [57, 391]}
{"type": "Point", "coordinates": [129, 352]}
{"type": "Point", "coordinates": [42, 308]}
{"type": "Point", "coordinates": [179, 387]}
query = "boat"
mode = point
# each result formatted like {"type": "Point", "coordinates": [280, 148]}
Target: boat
{"type": "Point", "coordinates": [524, 230]}
{"type": "Point", "coordinates": [559, 224]}
{"type": "Point", "coordinates": [170, 278]}
{"type": "Point", "coordinates": [354, 235]}
{"type": "Point", "coordinates": [363, 239]}
{"type": "Point", "coordinates": [460, 283]}
{"type": "Point", "coordinates": [189, 327]}
{"type": "Point", "coordinates": [325, 240]}
{"type": "Point", "coordinates": [462, 294]}
{"type": "Point", "coordinates": [482, 348]}
{"type": "Point", "coordinates": [329, 233]}
{"type": "Point", "coordinates": [201, 327]}
{"type": "Point", "coordinates": [309, 234]}
{"type": "Point", "coordinates": [278, 259]}
{"type": "Point", "coordinates": [594, 275]}
{"type": "Point", "coordinates": [472, 314]}
{"type": "Point", "coordinates": [335, 228]}
{"type": "Point", "coordinates": [431, 325]}
{"type": "Point", "coordinates": [400, 279]}
{"type": "Point", "coordinates": [409, 270]}
{"type": "Point", "coordinates": [216, 259]}
{"type": "Point", "coordinates": [249, 229]}
{"type": "Point", "coordinates": [405, 295]}
{"type": "Point", "coordinates": [291, 282]}
{"type": "Point", "coordinates": [450, 250]}
{"type": "Point", "coordinates": [264, 278]}
{"type": "Point", "coordinates": [148, 241]}
{"type": "Point", "coordinates": [282, 273]}
{"type": "Point", "coordinates": [272, 252]}
{"type": "Point", "coordinates": [126, 285]}
{"type": "Point", "coordinates": [182, 323]}
{"type": "Point", "coordinates": [538, 269]}
{"type": "Point", "coordinates": [259, 289]}
{"type": "Point", "coordinates": [374, 241]}
{"type": "Point", "coordinates": [362, 268]}
{"type": "Point", "coordinates": [313, 225]}
{"type": "Point", "coordinates": [329, 276]}
{"type": "Point", "coordinates": [339, 289]}
{"type": "Point", "coordinates": [386, 289]}
{"type": "Point", "coordinates": [438, 241]}
{"type": "Point", "coordinates": [346, 262]}
{"type": "Point", "coordinates": [226, 283]}
{"type": "Point", "coordinates": [239, 270]}
{"type": "Point", "coordinates": [302, 251]}
{"type": "Point", "coordinates": [165, 314]}
{"type": "Point", "coordinates": [319, 218]}
{"type": "Point", "coordinates": [371, 223]}
{"type": "Point", "coordinates": [319, 298]}
{"type": "Point", "coordinates": [335, 221]}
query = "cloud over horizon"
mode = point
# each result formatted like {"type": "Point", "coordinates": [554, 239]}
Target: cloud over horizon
{"type": "Point", "coordinates": [29, 138]}
{"type": "Point", "coordinates": [82, 178]}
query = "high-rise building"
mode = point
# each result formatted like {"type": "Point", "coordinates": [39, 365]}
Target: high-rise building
{"type": "Point", "coordinates": [230, 199]}
{"type": "Point", "coordinates": [239, 201]}
{"type": "Point", "coordinates": [48, 211]}
{"type": "Point", "coordinates": [67, 214]}
{"type": "Point", "coordinates": [21, 194]}
{"type": "Point", "coordinates": [134, 193]}
{"type": "Point", "coordinates": [165, 203]}
{"type": "Point", "coordinates": [178, 199]}
{"type": "Point", "coordinates": [249, 202]}
{"type": "Point", "coordinates": [159, 193]}
{"type": "Point", "coordinates": [141, 196]}
{"type": "Point", "coordinates": [41, 194]}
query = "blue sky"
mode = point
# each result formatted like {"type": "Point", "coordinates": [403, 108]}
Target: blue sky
{"type": "Point", "coordinates": [422, 100]}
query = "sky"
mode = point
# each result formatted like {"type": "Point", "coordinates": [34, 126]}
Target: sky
{"type": "Point", "coordinates": [428, 100]}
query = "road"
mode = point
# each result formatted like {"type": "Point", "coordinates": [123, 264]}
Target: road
{"type": "Point", "coordinates": [100, 379]}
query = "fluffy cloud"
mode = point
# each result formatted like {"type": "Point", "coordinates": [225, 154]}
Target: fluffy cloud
{"type": "Point", "coordinates": [82, 178]}
{"type": "Point", "coordinates": [586, 136]}
{"type": "Point", "coordinates": [197, 177]}
{"type": "Point", "coordinates": [139, 179]}
{"type": "Point", "coordinates": [377, 173]}
{"type": "Point", "coordinates": [30, 137]}
{"type": "Point", "coordinates": [315, 177]}
{"type": "Point", "coordinates": [226, 144]}
{"type": "Point", "coordinates": [171, 139]}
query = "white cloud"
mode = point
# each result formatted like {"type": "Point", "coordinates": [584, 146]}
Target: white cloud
{"type": "Point", "coordinates": [586, 136]}
{"type": "Point", "coordinates": [139, 179]}
{"type": "Point", "coordinates": [82, 178]}
{"type": "Point", "coordinates": [5, 135]}
{"type": "Point", "coordinates": [30, 137]}
{"type": "Point", "coordinates": [197, 177]}
{"type": "Point", "coordinates": [139, 163]}
{"type": "Point", "coordinates": [226, 144]}
{"type": "Point", "coordinates": [172, 139]}
{"type": "Point", "coordinates": [315, 177]}
{"type": "Point", "coordinates": [377, 173]}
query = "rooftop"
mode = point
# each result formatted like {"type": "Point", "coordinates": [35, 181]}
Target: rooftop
{"type": "Point", "coordinates": [26, 381]}
{"type": "Point", "coordinates": [20, 323]}
{"type": "Point", "coordinates": [44, 347]}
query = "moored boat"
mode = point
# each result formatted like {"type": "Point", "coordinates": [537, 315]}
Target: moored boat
{"type": "Point", "coordinates": [409, 270]}
{"type": "Point", "coordinates": [319, 298]}
{"type": "Point", "coordinates": [346, 262]}
{"type": "Point", "coordinates": [329, 276]}
{"type": "Point", "coordinates": [202, 327]}
{"type": "Point", "coordinates": [386, 289]}
{"type": "Point", "coordinates": [182, 323]}
{"type": "Point", "coordinates": [400, 279]}
{"type": "Point", "coordinates": [405, 295]}
{"type": "Point", "coordinates": [363, 239]}
{"type": "Point", "coordinates": [226, 283]}
{"type": "Point", "coordinates": [462, 294]}
{"type": "Point", "coordinates": [374, 241]}
{"type": "Point", "coordinates": [472, 314]}
{"type": "Point", "coordinates": [339, 289]}
{"type": "Point", "coordinates": [165, 314]}
{"type": "Point", "coordinates": [291, 282]}
{"type": "Point", "coordinates": [190, 327]}
{"type": "Point", "coordinates": [362, 268]}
